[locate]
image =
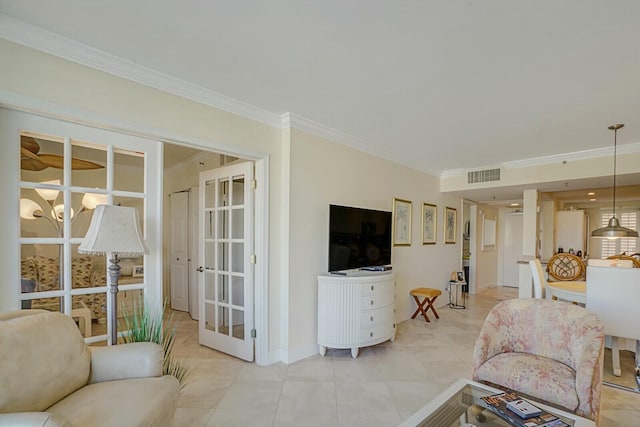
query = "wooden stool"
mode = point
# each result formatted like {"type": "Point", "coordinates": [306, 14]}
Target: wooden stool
{"type": "Point", "coordinates": [429, 295]}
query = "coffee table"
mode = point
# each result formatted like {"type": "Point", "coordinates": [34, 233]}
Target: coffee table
{"type": "Point", "coordinates": [455, 406]}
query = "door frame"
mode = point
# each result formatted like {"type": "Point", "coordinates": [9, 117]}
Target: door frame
{"type": "Point", "coordinates": [8, 187]}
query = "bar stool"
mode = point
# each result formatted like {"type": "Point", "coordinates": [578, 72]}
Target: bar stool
{"type": "Point", "coordinates": [429, 295]}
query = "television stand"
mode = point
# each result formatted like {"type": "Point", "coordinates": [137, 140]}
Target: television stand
{"type": "Point", "coordinates": [355, 311]}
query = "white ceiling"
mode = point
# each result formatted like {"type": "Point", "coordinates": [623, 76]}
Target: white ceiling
{"type": "Point", "coordinates": [435, 85]}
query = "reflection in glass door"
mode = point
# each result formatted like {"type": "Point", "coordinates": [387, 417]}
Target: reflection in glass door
{"type": "Point", "coordinates": [226, 272]}
{"type": "Point", "coordinates": [65, 171]}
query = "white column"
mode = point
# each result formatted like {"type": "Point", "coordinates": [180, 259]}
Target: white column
{"type": "Point", "coordinates": [529, 242]}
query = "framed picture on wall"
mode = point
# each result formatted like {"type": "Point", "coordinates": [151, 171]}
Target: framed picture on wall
{"type": "Point", "coordinates": [450, 225]}
{"type": "Point", "coordinates": [401, 222]}
{"type": "Point", "coordinates": [138, 271]}
{"type": "Point", "coordinates": [429, 223]}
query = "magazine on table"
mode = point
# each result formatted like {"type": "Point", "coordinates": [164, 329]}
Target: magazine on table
{"type": "Point", "coordinates": [520, 412]}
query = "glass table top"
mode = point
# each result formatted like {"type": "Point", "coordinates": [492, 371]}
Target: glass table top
{"type": "Point", "coordinates": [458, 407]}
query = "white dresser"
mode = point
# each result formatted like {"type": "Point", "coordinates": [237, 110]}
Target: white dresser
{"type": "Point", "coordinates": [355, 311]}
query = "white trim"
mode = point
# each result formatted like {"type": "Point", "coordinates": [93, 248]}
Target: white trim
{"type": "Point", "coordinates": [595, 153]}
{"type": "Point", "coordinates": [46, 41]}
{"type": "Point", "coordinates": [261, 246]}
{"type": "Point", "coordinates": [53, 110]}
{"type": "Point", "coordinates": [291, 120]}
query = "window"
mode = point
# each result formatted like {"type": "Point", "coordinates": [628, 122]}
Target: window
{"type": "Point", "coordinates": [609, 247]}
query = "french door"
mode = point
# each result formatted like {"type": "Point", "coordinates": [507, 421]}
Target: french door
{"type": "Point", "coordinates": [60, 171]}
{"type": "Point", "coordinates": [226, 281]}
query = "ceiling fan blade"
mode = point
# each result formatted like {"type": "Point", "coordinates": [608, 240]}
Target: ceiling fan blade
{"type": "Point", "coordinates": [30, 144]}
{"type": "Point", "coordinates": [55, 161]}
{"type": "Point", "coordinates": [30, 162]}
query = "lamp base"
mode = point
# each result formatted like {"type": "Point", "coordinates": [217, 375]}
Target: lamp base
{"type": "Point", "coordinates": [114, 275]}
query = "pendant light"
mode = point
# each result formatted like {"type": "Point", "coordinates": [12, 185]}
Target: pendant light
{"type": "Point", "coordinates": [613, 230]}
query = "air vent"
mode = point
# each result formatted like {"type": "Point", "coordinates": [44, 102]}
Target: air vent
{"type": "Point", "coordinates": [487, 175]}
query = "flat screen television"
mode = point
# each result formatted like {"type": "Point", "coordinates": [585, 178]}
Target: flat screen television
{"type": "Point", "coordinates": [358, 238]}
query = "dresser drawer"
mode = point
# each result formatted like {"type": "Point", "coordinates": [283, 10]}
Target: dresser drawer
{"type": "Point", "coordinates": [373, 301]}
{"type": "Point", "coordinates": [376, 332]}
{"type": "Point", "coordinates": [377, 316]}
{"type": "Point", "coordinates": [372, 288]}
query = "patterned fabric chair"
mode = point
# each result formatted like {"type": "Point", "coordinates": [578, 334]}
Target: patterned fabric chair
{"type": "Point", "coordinates": [550, 351]}
{"type": "Point", "coordinates": [45, 272]}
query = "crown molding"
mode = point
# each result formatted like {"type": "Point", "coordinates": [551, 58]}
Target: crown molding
{"type": "Point", "coordinates": [290, 120]}
{"type": "Point", "coordinates": [595, 153]}
{"type": "Point", "coordinates": [51, 43]}
{"type": "Point", "coordinates": [572, 157]}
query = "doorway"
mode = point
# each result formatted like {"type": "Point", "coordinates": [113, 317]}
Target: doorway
{"type": "Point", "coordinates": [182, 191]}
{"type": "Point", "coordinates": [511, 247]}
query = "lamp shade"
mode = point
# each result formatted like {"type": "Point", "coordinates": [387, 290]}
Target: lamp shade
{"type": "Point", "coordinates": [47, 193]}
{"type": "Point", "coordinates": [91, 200]}
{"type": "Point", "coordinates": [614, 230]}
{"type": "Point", "coordinates": [113, 229]}
{"type": "Point", "coordinates": [28, 209]}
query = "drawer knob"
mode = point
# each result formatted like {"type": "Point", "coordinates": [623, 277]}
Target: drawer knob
{"type": "Point", "coordinates": [372, 318]}
{"type": "Point", "coordinates": [371, 302]}
{"type": "Point", "coordinates": [371, 287]}
{"type": "Point", "coordinates": [371, 334]}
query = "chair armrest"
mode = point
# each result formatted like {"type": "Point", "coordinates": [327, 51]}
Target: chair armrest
{"type": "Point", "coordinates": [33, 419]}
{"type": "Point", "coordinates": [134, 360]}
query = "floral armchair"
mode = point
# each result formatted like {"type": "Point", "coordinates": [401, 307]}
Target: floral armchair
{"type": "Point", "coordinates": [44, 272]}
{"type": "Point", "coordinates": [550, 351]}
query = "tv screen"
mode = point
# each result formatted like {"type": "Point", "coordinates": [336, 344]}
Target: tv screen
{"type": "Point", "coordinates": [358, 238]}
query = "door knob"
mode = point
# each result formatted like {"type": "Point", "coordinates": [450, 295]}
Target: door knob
{"type": "Point", "coordinates": [200, 269]}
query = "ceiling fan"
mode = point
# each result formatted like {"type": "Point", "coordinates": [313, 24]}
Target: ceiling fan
{"type": "Point", "coordinates": [32, 160]}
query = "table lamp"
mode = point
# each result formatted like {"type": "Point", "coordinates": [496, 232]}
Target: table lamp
{"type": "Point", "coordinates": [113, 230]}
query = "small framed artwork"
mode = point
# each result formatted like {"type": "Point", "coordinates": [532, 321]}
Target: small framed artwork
{"type": "Point", "coordinates": [488, 233]}
{"type": "Point", "coordinates": [429, 223]}
{"type": "Point", "coordinates": [401, 222]}
{"type": "Point", "coordinates": [450, 225]}
{"type": "Point", "coordinates": [457, 276]}
{"type": "Point", "coordinates": [138, 271]}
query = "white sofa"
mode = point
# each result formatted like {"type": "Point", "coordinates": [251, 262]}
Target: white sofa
{"type": "Point", "coordinates": [50, 377]}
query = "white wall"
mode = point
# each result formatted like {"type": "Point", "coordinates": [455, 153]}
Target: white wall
{"type": "Point", "coordinates": [323, 173]}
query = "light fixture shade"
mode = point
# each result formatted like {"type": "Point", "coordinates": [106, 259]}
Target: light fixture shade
{"type": "Point", "coordinates": [113, 229]}
{"type": "Point", "coordinates": [58, 213]}
{"type": "Point", "coordinates": [614, 230]}
{"type": "Point", "coordinates": [47, 193]}
{"type": "Point", "coordinates": [28, 208]}
{"type": "Point", "coordinates": [91, 200]}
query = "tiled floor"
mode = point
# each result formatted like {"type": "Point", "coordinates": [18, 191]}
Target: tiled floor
{"type": "Point", "coordinates": [383, 386]}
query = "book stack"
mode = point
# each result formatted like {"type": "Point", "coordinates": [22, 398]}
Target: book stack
{"type": "Point", "coordinates": [519, 412]}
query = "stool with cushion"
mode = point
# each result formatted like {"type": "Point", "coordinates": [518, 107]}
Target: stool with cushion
{"type": "Point", "coordinates": [428, 296]}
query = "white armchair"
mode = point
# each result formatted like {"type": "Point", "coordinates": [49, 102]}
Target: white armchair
{"type": "Point", "coordinates": [50, 377]}
{"type": "Point", "coordinates": [613, 294]}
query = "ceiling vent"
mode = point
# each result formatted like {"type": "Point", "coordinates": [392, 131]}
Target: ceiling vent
{"type": "Point", "coordinates": [487, 175]}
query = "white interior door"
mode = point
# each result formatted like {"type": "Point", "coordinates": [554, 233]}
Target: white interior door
{"type": "Point", "coordinates": [226, 248]}
{"type": "Point", "coordinates": [512, 248]}
{"type": "Point", "coordinates": [179, 251]}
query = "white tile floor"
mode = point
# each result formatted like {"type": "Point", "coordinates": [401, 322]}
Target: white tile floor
{"type": "Point", "coordinates": [383, 386]}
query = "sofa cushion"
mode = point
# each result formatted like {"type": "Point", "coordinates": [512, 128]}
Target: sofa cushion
{"type": "Point", "coordinates": [133, 402]}
{"type": "Point", "coordinates": [55, 363]}
{"type": "Point", "coordinates": [537, 376]}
